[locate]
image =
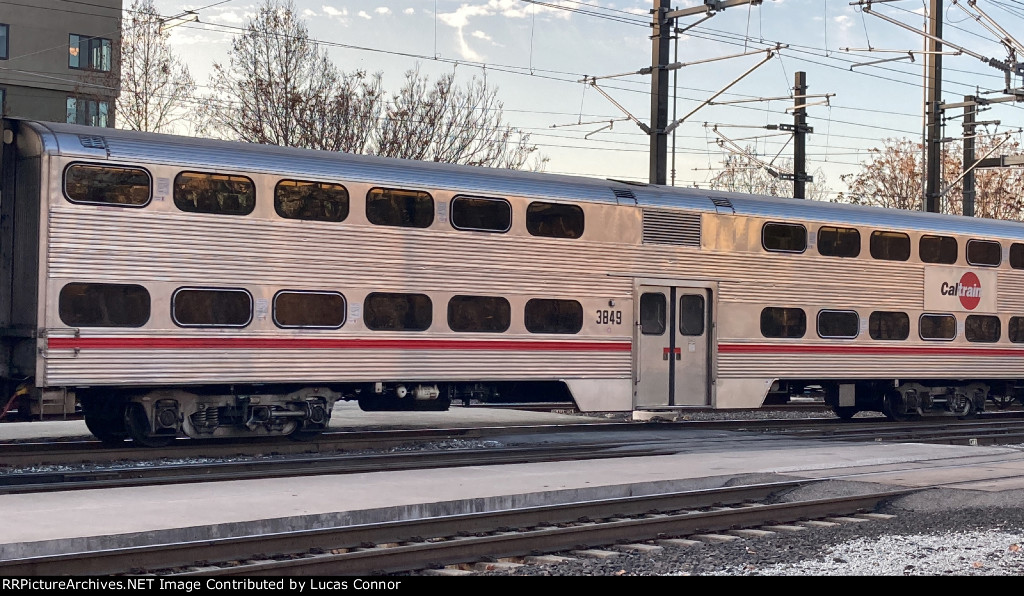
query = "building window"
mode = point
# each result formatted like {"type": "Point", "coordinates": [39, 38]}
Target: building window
{"type": "Point", "coordinates": [87, 111]}
{"type": "Point", "coordinates": [89, 53]}
{"type": "Point", "coordinates": [318, 201]}
{"type": "Point", "coordinates": [223, 194]}
{"type": "Point", "coordinates": [779, 237]}
{"type": "Point", "coordinates": [200, 307]}
{"type": "Point", "coordinates": [5, 31]}
{"type": "Point", "coordinates": [325, 310]}
{"type": "Point", "coordinates": [103, 305]}
{"type": "Point", "coordinates": [479, 314]}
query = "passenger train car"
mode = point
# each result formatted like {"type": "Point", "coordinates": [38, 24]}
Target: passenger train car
{"type": "Point", "coordinates": [172, 285]}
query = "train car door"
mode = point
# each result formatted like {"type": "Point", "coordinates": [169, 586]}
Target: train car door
{"type": "Point", "coordinates": [674, 332]}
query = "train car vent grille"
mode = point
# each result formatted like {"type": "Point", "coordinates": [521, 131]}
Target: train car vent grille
{"type": "Point", "coordinates": [624, 193]}
{"type": "Point", "coordinates": [671, 227]}
{"type": "Point", "coordinates": [93, 141]}
{"type": "Point", "coordinates": [723, 204]}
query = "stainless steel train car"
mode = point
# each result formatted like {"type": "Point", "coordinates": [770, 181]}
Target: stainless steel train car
{"type": "Point", "coordinates": [174, 285]}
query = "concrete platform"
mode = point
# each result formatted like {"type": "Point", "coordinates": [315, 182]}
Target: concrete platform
{"type": "Point", "coordinates": [51, 523]}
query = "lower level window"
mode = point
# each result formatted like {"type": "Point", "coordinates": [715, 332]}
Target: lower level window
{"type": "Point", "coordinates": [398, 312]}
{"type": "Point", "coordinates": [982, 328]}
{"type": "Point", "coordinates": [89, 112]}
{"type": "Point", "coordinates": [889, 325]}
{"type": "Point", "coordinates": [783, 322]}
{"type": "Point", "coordinates": [200, 307]}
{"type": "Point", "coordinates": [103, 305]}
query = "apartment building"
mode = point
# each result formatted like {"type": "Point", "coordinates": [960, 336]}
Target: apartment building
{"type": "Point", "coordinates": [58, 60]}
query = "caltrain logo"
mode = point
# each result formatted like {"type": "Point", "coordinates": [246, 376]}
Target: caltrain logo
{"type": "Point", "coordinates": [968, 289]}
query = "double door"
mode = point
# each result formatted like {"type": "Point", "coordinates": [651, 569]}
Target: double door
{"type": "Point", "coordinates": [673, 360]}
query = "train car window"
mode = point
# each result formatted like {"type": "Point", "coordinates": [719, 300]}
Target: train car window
{"type": "Point", "coordinates": [201, 307]}
{"type": "Point", "coordinates": [982, 328]}
{"type": "Point", "coordinates": [399, 208]}
{"type": "Point", "coordinates": [1015, 330]}
{"type": "Point", "coordinates": [103, 305]}
{"type": "Point", "coordinates": [221, 194]}
{"type": "Point", "coordinates": [544, 315]}
{"type": "Point", "coordinates": [481, 214]}
{"type": "Point", "coordinates": [554, 220]}
{"type": "Point", "coordinates": [938, 249]}
{"type": "Point", "coordinates": [889, 325]}
{"type": "Point", "coordinates": [1017, 255]}
{"type": "Point", "coordinates": [779, 237]}
{"type": "Point", "coordinates": [317, 201]}
{"type": "Point", "coordinates": [691, 314]}
{"type": "Point", "coordinates": [940, 327]}
{"type": "Point", "coordinates": [398, 312]}
{"type": "Point", "coordinates": [890, 246]}
{"type": "Point", "coordinates": [783, 322]}
{"type": "Point", "coordinates": [479, 314]}
{"type": "Point", "coordinates": [107, 185]}
{"type": "Point", "coordinates": [838, 324]}
{"type": "Point", "coordinates": [324, 310]}
{"type": "Point", "coordinates": [653, 309]}
{"type": "Point", "coordinates": [838, 242]}
{"type": "Point", "coordinates": [984, 252]}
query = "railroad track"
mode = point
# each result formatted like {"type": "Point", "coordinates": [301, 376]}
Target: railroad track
{"type": "Point", "coordinates": [421, 544]}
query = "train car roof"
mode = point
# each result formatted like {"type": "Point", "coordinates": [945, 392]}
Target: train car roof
{"type": "Point", "coordinates": [125, 146]}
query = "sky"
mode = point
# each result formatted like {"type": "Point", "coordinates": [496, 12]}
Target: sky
{"type": "Point", "coordinates": [538, 53]}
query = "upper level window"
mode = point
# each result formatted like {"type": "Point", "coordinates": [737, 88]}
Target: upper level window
{"type": "Point", "coordinates": [397, 312]}
{"type": "Point", "coordinates": [890, 246]}
{"type": "Point", "coordinates": [545, 315]}
{"type": "Point", "coordinates": [554, 220]}
{"type": "Point", "coordinates": [89, 53]}
{"type": "Point", "coordinates": [5, 31]}
{"type": "Point", "coordinates": [401, 208]}
{"type": "Point", "coordinates": [478, 213]}
{"type": "Point", "coordinates": [103, 305]}
{"type": "Point", "coordinates": [984, 252]}
{"type": "Point", "coordinates": [200, 307]}
{"type": "Point", "coordinates": [318, 201]}
{"type": "Point", "coordinates": [107, 185]}
{"type": "Point", "coordinates": [1017, 255]}
{"type": "Point", "coordinates": [783, 322]}
{"type": "Point", "coordinates": [325, 310]}
{"type": "Point", "coordinates": [779, 237]}
{"type": "Point", "coordinates": [89, 112]}
{"type": "Point", "coordinates": [479, 314]}
{"type": "Point", "coordinates": [838, 242]}
{"type": "Point", "coordinates": [938, 249]}
{"type": "Point", "coordinates": [223, 194]}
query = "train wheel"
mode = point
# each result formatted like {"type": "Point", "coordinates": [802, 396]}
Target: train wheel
{"type": "Point", "coordinates": [892, 407]}
{"type": "Point", "coordinates": [105, 420]}
{"type": "Point", "coordinates": [845, 412]}
{"type": "Point", "coordinates": [137, 424]}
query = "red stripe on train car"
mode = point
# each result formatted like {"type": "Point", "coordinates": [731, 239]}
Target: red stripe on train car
{"type": "Point", "coordinates": [256, 343]}
{"type": "Point", "coordinates": [781, 349]}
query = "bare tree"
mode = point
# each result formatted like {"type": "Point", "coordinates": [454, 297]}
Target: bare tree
{"type": "Point", "coordinates": [893, 178]}
{"type": "Point", "coordinates": [279, 88]}
{"type": "Point", "coordinates": [156, 87]}
{"type": "Point", "coordinates": [743, 173]}
{"type": "Point", "coordinates": [442, 122]}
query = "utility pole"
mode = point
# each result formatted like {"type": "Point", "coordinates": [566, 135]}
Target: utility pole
{"type": "Point", "coordinates": [933, 109]}
{"type": "Point", "coordinates": [970, 111]}
{"type": "Point", "coordinates": [661, 35]}
{"type": "Point", "coordinates": [799, 135]}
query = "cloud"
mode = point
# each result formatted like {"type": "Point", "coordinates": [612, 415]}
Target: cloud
{"type": "Point", "coordinates": [364, 14]}
{"type": "Point", "coordinates": [482, 35]}
{"type": "Point", "coordinates": [382, 10]}
{"type": "Point", "coordinates": [333, 13]}
{"type": "Point", "coordinates": [409, 11]}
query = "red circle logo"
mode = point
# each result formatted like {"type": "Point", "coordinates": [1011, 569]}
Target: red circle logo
{"type": "Point", "coordinates": [970, 291]}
